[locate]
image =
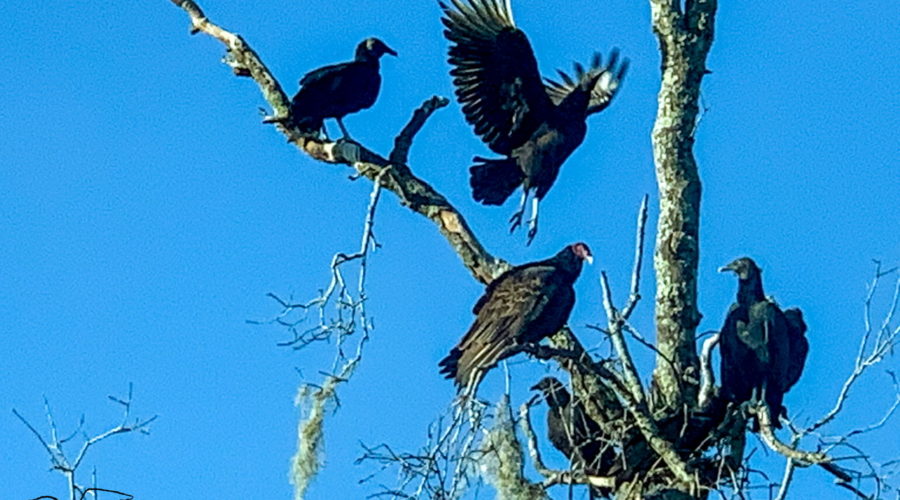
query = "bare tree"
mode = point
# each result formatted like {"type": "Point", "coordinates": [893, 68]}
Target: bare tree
{"type": "Point", "coordinates": [675, 439]}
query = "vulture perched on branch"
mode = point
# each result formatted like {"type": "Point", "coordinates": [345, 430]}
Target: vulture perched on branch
{"type": "Point", "coordinates": [533, 125]}
{"type": "Point", "coordinates": [337, 90]}
{"type": "Point", "coordinates": [763, 349]}
{"type": "Point", "coordinates": [572, 432]}
{"type": "Point", "coordinates": [521, 306]}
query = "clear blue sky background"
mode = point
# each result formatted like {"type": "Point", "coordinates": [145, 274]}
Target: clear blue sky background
{"type": "Point", "coordinates": [146, 212]}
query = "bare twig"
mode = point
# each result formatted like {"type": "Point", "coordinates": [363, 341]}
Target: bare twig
{"type": "Point", "coordinates": [634, 397]}
{"type": "Point", "coordinates": [884, 343]}
{"type": "Point", "coordinates": [54, 446]}
{"type": "Point", "coordinates": [641, 234]}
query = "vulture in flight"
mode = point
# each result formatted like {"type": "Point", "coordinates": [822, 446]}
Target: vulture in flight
{"type": "Point", "coordinates": [339, 89]}
{"type": "Point", "coordinates": [575, 434]}
{"type": "Point", "coordinates": [521, 306]}
{"type": "Point", "coordinates": [534, 125]}
{"type": "Point", "coordinates": [763, 349]}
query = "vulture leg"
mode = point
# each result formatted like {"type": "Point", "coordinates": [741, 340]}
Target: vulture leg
{"type": "Point", "coordinates": [516, 219]}
{"type": "Point", "coordinates": [533, 221]}
{"type": "Point", "coordinates": [343, 129]}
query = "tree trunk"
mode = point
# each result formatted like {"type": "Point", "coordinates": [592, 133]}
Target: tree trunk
{"type": "Point", "coordinates": [684, 39]}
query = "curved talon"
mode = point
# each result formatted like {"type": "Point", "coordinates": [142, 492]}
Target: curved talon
{"type": "Point", "coordinates": [532, 230]}
{"type": "Point", "coordinates": [516, 221]}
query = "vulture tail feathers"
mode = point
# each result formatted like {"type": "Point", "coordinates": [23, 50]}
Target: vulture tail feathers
{"type": "Point", "coordinates": [494, 180]}
{"type": "Point", "coordinates": [450, 364]}
{"type": "Point", "coordinates": [309, 124]}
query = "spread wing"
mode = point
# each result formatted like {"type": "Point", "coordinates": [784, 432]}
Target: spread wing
{"type": "Point", "coordinates": [495, 72]}
{"type": "Point", "coordinates": [604, 90]}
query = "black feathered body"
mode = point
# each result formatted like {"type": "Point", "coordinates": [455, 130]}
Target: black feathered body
{"type": "Point", "coordinates": [799, 347]}
{"type": "Point", "coordinates": [574, 433]}
{"type": "Point", "coordinates": [521, 306]}
{"type": "Point", "coordinates": [533, 126]}
{"type": "Point", "coordinates": [762, 348]}
{"type": "Point", "coordinates": [335, 91]}
{"type": "Point", "coordinates": [755, 355]}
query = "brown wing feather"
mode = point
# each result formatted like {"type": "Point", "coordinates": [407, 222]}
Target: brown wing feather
{"type": "Point", "coordinates": [512, 303]}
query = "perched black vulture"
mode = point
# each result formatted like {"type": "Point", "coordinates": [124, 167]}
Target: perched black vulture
{"type": "Point", "coordinates": [763, 349]}
{"type": "Point", "coordinates": [575, 434]}
{"type": "Point", "coordinates": [533, 125]}
{"type": "Point", "coordinates": [339, 89]}
{"type": "Point", "coordinates": [521, 306]}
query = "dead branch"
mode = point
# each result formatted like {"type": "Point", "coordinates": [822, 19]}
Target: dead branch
{"type": "Point", "coordinates": [634, 398]}
{"type": "Point", "coordinates": [707, 377]}
{"type": "Point", "coordinates": [414, 193]}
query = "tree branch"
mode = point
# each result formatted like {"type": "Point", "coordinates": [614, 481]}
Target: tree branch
{"type": "Point", "coordinates": [413, 192]}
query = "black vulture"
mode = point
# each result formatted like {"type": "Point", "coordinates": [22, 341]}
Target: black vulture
{"type": "Point", "coordinates": [534, 125]}
{"type": "Point", "coordinates": [575, 434]}
{"type": "Point", "coordinates": [339, 89]}
{"type": "Point", "coordinates": [763, 349]}
{"type": "Point", "coordinates": [521, 306]}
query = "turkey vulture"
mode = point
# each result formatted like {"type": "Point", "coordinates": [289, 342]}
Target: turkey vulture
{"type": "Point", "coordinates": [339, 89]}
{"type": "Point", "coordinates": [575, 434]}
{"type": "Point", "coordinates": [763, 348]}
{"type": "Point", "coordinates": [521, 306]}
{"type": "Point", "coordinates": [533, 125]}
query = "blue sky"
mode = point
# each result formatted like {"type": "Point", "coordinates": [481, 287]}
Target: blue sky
{"type": "Point", "coordinates": [147, 212]}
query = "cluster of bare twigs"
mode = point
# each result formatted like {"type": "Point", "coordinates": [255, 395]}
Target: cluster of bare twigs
{"type": "Point", "coordinates": [877, 344]}
{"type": "Point", "coordinates": [59, 459]}
{"type": "Point", "coordinates": [341, 316]}
{"type": "Point", "coordinates": [445, 466]}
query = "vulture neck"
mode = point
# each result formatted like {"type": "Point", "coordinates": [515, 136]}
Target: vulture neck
{"type": "Point", "coordinates": [576, 103]}
{"type": "Point", "coordinates": [750, 290]}
{"type": "Point", "coordinates": [558, 399]}
{"type": "Point", "coordinates": [366, 57]}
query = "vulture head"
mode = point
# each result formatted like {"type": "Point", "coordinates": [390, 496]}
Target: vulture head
{"type": "Point", "coordinates": [570, 259]}
{"type": "Point", "coordinates": [553, 391]}
{"type": "Point", "coordinates": [372, 48]}
{"type": "Point", "coordinates": [581, 251]}
{"type": "Point", "coordinates": [744, 267]}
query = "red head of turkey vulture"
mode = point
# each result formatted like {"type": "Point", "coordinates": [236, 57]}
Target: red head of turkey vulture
{"type": "Point", "coordinates": [339, 89]}
{"type": "Point", "coordinates": [534, 126]}
{"type": "Point", "coordinates": [763, 350]}
{"type": "Point", "coordinates": [521, 306]}
{"type": "Point", "coordinates": [574, 433]}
